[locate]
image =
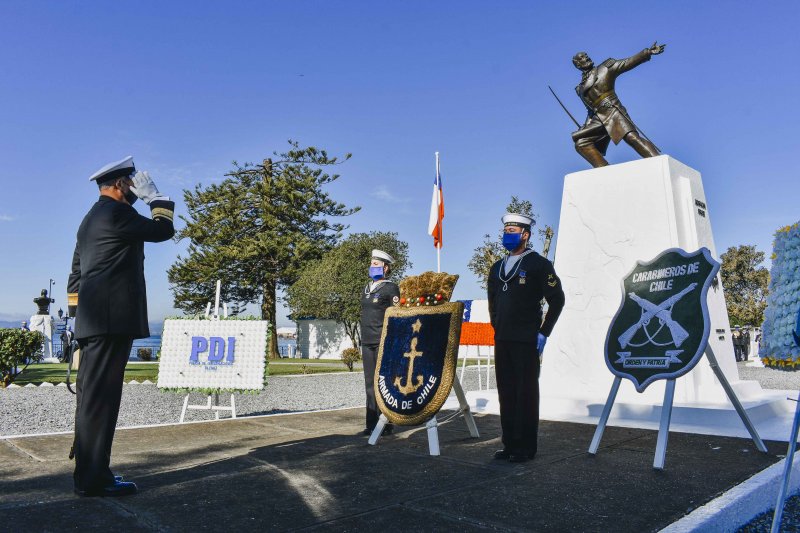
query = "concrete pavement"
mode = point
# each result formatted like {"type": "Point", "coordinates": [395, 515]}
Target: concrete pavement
{"type": "Point", "coordinates": [314, 471]}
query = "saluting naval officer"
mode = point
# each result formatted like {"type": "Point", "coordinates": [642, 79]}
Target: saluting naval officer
{"type": "Point", "coordinates": [517, 284]}
{"type": "Point", "coordinates": [106, 295]}
{"type": "Point", "coordinates": [379, 294]}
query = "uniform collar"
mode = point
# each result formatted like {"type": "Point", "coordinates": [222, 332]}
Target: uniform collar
{"type": "Point", "coordinates": [372, 286]}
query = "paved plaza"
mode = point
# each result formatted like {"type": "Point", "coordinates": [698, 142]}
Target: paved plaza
{"type": "Point", "coordinates": [315, 471]}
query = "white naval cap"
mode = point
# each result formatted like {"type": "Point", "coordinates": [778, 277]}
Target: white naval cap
{"type": "Point", "coordinates": [382, 256]}
{"type": "Point", "coordinates": [117, 169]}
{"type": "Point", "coordinates": [515, 219]}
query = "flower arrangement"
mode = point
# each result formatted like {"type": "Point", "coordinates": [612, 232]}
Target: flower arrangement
{"type": "Point", "coordinates": [777, 348]}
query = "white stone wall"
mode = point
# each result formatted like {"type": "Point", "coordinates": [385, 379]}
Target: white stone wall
{"type": "Point", "coordinates": [321, 339]}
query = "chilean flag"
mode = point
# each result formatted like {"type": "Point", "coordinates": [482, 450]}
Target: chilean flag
{"type": "Point", "coordinates": [437, 209]}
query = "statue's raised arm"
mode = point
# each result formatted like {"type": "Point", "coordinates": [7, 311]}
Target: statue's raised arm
{"type": "Point", "coordinates": [607, 119]}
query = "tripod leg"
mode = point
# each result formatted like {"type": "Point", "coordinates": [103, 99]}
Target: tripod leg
{"type": "Point", "coordinates": [601, 424]}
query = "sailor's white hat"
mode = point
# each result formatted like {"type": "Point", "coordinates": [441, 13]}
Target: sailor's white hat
{"type": "Point", "coordinates": [117, 169]}
{"type": "Point", "coordinates": [382, 256]}
{"type": "Point", "coordinates": [515, 219]}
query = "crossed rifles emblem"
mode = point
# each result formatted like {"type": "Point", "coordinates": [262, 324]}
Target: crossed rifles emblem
{"type": "Point", "coordinates": [412, 354]}
{"type": "Point", "coordinates": [663, 312]}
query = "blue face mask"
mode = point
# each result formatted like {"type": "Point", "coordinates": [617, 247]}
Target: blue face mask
{"type": "Point", "coordinates": [511, 241]}
{"type": "Point", "coordinates": [376, 273]}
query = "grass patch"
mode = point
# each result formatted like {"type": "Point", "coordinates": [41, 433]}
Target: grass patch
{"type": "Point", "coordinates": [56, 372]}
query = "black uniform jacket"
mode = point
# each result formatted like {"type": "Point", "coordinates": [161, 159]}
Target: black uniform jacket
{"type": "Point", "coordinates": [516, 313]}
{"type": "Point", "coordinates": [107, 279]}
{"type": "Point", "coordinates": [373, 306]}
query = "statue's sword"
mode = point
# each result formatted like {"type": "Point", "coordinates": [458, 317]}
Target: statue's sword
{"type": "Point", "coordinates": [563, 106]}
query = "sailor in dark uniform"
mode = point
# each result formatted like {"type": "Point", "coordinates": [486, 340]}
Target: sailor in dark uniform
{"type": "Point", "coordinates": [378, 295]}
{"type": "Point", "coordinates": [516, 286]}
{"type": "Point", "coordinates": [106, 295]}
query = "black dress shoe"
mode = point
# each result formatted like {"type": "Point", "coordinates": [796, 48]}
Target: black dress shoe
{"type": "Point", "coordinates": [517, 457]}
{"type": "Point", "coordinates": [388, 429]}
{"type": "Point", "coordinates": [117, 479]}
{"type": "Point", "coordinates": [502, 454]}
{"type": "Point", "coordinates": [118, 489]}
{"type": "Point", "coordinates": [367, 432]}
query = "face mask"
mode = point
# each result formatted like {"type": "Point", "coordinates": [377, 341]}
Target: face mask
{"type": "Point", "coordinates": [376, 273]}
{"type": "Point", "coordinates": [511, 241]}
{"type": "Point", "coordinates": [131, 198]}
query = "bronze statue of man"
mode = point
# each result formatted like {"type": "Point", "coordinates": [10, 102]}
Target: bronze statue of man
{"type": "Point", "coordinates": [608, 119]}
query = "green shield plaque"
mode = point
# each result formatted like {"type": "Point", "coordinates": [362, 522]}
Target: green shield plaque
{"type": "Point", "coordinates": [661, 328]}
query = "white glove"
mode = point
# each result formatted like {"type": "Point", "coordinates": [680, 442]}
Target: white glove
{"type": "Point", "coordinates": [144, 188]}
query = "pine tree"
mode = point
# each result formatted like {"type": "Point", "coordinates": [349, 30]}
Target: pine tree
{"type": "Point", "coordinates": [256, 231]}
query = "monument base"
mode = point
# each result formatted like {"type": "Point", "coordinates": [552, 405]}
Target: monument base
{"type": "Point", "coordinates": [45, 324]}
{"type": "Point", "coordinates": [611, 217]}
{"type": "Point", "coordinates": [771, 413]}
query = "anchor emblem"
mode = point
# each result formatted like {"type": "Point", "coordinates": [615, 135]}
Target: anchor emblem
{"type": "Point", "coordinates": [412, 354]}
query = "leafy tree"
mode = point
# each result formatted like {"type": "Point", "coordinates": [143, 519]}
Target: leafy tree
{"type": "Point", "coordinates": [746, 284]}
{"type": "Point", "coordinates": [332, 287]}
{"type": "Point", "coordinates": [256, 230]}
{"type": "Point", "coordinates": [491, 250]}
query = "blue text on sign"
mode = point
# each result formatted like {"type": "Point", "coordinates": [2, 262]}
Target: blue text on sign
{"type": "Point", "coordinates": [216, 348]}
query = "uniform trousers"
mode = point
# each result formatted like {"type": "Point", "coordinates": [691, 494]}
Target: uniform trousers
{"type": "Point", "coordinates": [517, 372]}
{"type": "Point", "coordinates": [102, 367]}
{"type": "Point", "coordinates": [369, 359]}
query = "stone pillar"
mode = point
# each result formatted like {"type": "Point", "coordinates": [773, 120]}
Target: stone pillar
{"type": "Point", "coordinates": [46, 325]}
{"type": "Point", "coordinates": [611, 217]}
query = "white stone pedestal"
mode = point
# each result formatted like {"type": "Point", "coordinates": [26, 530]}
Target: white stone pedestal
{"type": "Point", "coordinates": [45, 324]}
{"type": "Point", "coordinates": [610, 218]}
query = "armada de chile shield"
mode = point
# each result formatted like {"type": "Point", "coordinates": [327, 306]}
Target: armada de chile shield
{"type": "Point", "coordinates": [661, 329]}
{"type": "Point", "coordinates": [417, 361]}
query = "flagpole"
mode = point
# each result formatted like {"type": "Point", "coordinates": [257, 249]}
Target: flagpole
{"type": "Point", "coordinates": [438, 248]}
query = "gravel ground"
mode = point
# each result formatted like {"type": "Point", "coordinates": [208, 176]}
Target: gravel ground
{"type": "Point", "coordinates": [790, 521]}
{"type": "Point", "coordinates": [29, 410]}
{"type": "Point", "coordinates": [770, 378]}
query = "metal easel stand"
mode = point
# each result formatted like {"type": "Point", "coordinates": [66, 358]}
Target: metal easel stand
{"type": "Point", "coordinates": [208, 407]}
{"type": "Point", "coordinates": [666, 413]}
{"type": "Point", "coordinates": [432, 425]}
{"type": "Point", "coordinates": [787, 471]}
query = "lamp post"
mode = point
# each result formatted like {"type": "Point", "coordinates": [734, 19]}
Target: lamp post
{"type": "Point", "coordinates": [62, 332]}
{"type": "Point", "coordinates": [50, 293]}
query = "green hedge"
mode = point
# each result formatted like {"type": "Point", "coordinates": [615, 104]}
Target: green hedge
{"type": "Point", "coordinates": [17, 349]}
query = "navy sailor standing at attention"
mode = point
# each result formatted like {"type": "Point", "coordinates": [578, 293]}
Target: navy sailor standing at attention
{"type": "Point", "coordinates": [106, 295]}
{"type": "Point", "coordinates": [516, 286]}
{"type": "Point", "coordinates": [378, 295]}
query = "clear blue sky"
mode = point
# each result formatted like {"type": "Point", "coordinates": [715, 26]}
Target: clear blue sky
{"type": "Point", "coordinates": [187, 87]}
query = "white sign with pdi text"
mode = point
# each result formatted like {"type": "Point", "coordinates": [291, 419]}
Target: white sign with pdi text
{"type": "Point", "coordinates": [213, 354]}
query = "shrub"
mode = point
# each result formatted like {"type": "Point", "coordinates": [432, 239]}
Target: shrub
{"type": "Point", "coordinates": [17, 348]}
{"type": "Point", "coordinates": [350, 356]}
{"type": "Point", "coordinates": [145, 354]}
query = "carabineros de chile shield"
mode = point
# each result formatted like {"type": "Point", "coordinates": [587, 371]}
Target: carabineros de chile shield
{"type": "Point", "coordinates": [661, 329]}
{"type": "Point", "coordinates": [417, 361]}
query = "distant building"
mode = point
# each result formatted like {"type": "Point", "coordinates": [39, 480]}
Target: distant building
{"type": "Point", "coordinates": [287, 332]}
{"type": "Point", "coordinates": [321, 338]}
